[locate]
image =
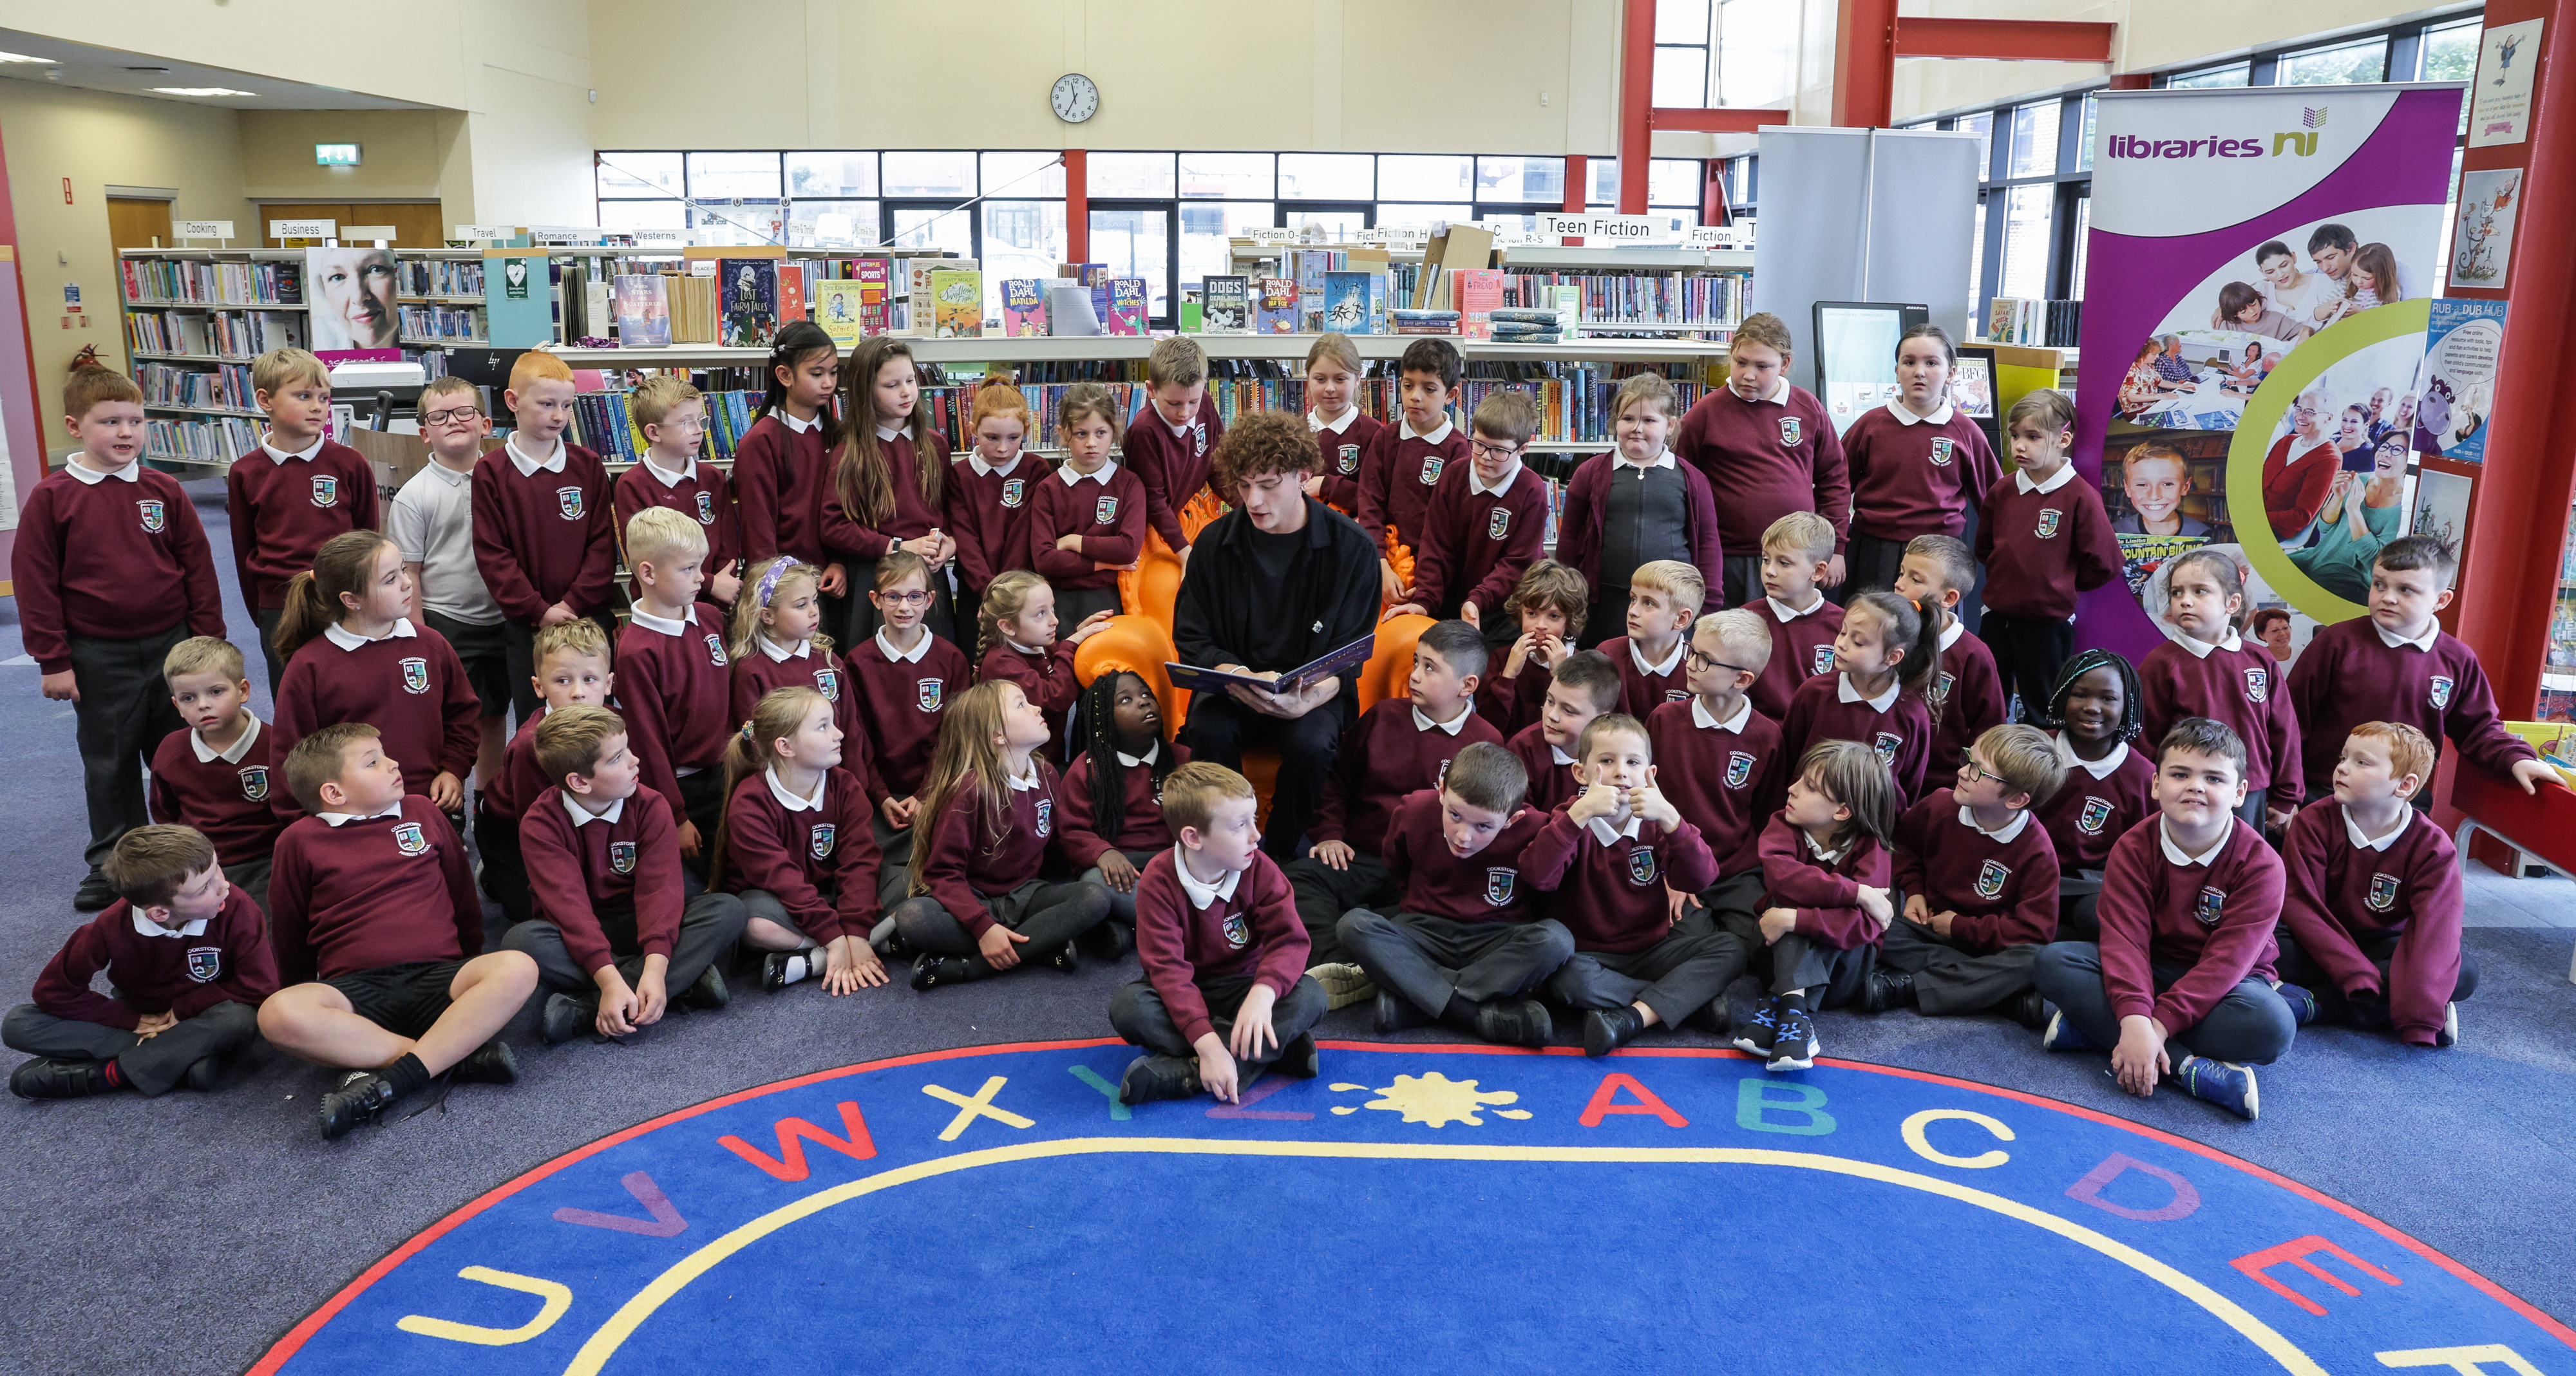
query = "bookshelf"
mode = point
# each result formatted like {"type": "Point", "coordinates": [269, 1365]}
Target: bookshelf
{"type": "Point", "coordinates": [1644, 291]}
{"type": "Point", "coordinates": [1288, 347]}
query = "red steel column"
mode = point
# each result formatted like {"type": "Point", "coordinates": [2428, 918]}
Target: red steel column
{"type": "Point", "coordinates": [1637, 103]}
{"type": "Point", "coordinates": [1865, 64]}
{"type": "Point", "coordinates": [1077, 205]}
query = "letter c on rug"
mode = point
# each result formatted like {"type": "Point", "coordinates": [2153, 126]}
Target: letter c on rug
{"type": "Point", "coordinates": [558, 1298]}
{"type": "Point", "coordinates": [1922, 1145]}
{"type": "Point", "coordinates": [2185, 1201]}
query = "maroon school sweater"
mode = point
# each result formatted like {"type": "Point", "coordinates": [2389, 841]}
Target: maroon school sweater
{"type": "Point", "coordinates": [1397, 477]}
{"type": "Point", "coordinates": [2349, 674]}
{"type": "Point", "coordinates": [1551, 780]}
{"type": "Point", "coordinates": [900, 702]}
{"type": "Point", "coordinates": [1343, 453]}
{"type": "Point", "coordinates": [1252, 931]}
{"type": "Point", "coordinates": [1477, 544]}
{"type": "Point", "coordinates": [1801, 648]}
{"type": "Point", "coordinates": [1045, 678]}
{"type": "Point", "coordinates": [545, 537]}
{"type": "Point", "coordinates": [845, 536]}
{"type": "Point", "coordinates": [2042, 545]}
{"type": "Point", "coordinates": [1768, 459]}
{"type": "Point", "coordinates": [1901, 733]}
{"type": "Point", "coordinates": [623, 862]}
{"type": "Point", "coordinates": [964, 858]}
{"type": "Point", "coordinates": [1511, 704]}
{"type": "Point", "coordinates": [410, 687]}
{"type": "Point", "coordinates": [1644, 687]}
{"type": "Point", "coordinates": [1912, 476]}
{"type": "Point", "coordinates": [989, 515]}
{"type": "Point", "coordinates": [392, 889]}
{"type": "Point", "coordinates": [226, 960]}
{"type": "Point", "coordinates": [1972, 698]}
{"type": "Point", "coordinates": [1107, 510]}
{"type": "Point", "coordinates": [2338, 894]}
{"type": "Point", "coordinates": [283, 513]}
{"type": "Point", "coordinates": [779, 480]}
{"type": "Point", "coordinates": [819, 861]}
{"type": "Point", "coordinates": [758, 673]}
{"type": "Point", "coordinates": [1825, 894]}
{"type": "Point", "coordinates": [1725, 778]}
{"type": "Point", "coordinates": [676, 694]}
{"type": "Point", "coordinates": [230, 800]}
{"type": "Point", "coordinates": [2237, 686]}
{"type": "Point", "coordinates": [1384, 756]}
{"type": "Point", "coordinates": [2091, 811]}
{"type": "Point", "coordinates": [506, 797]}
{"type": "Point", "coordinates": [2217, 919]}
{"type": "Point", "coordinates": [702, 495]}
{"type": "Point", "coordinates": [2003, 890]}
{"type": "Point", "coordinates": [1172, 467]}
{"type": "Point", "coordinates": [1611, 895]}
{"type": "Point", "coordinates": [1587, 500]}
{"type": "Point", "coordinates": [1141, 825]}
{"type": "Point", "coordinates": [85, 550]}
{"type": "Point", "coordinates": [1435, 882]}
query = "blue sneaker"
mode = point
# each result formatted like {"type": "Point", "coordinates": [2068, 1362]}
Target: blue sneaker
{"type": "Point", "coordinates": [2224, 1083]}
{"type": "Point", "coordinates": [2303, 1004]}
{"type": "Point", "coordinates": [2064, 1035]}
{"type": "Point", "coordinates": [1758, 1035]}
{"type": "Point", "coordinates": [1794, 1047]}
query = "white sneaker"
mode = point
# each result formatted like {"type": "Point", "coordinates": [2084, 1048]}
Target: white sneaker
{"type": "Point", "coordinates": [2450, 1033]}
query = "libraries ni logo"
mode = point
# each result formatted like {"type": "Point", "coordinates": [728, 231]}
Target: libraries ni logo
{"type": "Point", "coordinates": [2284, 143]}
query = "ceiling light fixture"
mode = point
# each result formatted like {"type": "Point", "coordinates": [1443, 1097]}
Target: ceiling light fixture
{"type": "Point", "coordinates": [22, 57]}
{"type": "Point", "coordinates": [200, 91]}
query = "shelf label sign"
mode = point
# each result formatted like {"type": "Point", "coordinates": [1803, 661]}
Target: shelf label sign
{"type": "Point", "coordinates": [1271, 236]}
{"type": "Point", "coordinates": [1712, 236]}
{"type": "Point", "coordinates": [302, 229]}
{"type": "Point", "coordinates": [1601, 228]}
{"type": "Point", "coordinates": [480, 232]}
{"type": "Point", "coordinates": [205, 229]}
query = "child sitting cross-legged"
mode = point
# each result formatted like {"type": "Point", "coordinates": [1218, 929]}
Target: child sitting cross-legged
{"type": "Point", "coordinates": [1727, 769]}
{"type": "Point", "coordinates": [1113, 796]}
{"type": "Point", "coordinates": [1548, 606]}
{"type": "Point", "coordinates": [1825, 895]}
{"type": "Point", "coordinates": [1585, 685]}
{"type": "Point", "coordinates": [1224, 993]}
{"type": "Point", "coordinates": [1980, 882]}
{"type": "Point", "coordinates": [216, 774]}
{"type": "Point", "coordinates": [795, 845]}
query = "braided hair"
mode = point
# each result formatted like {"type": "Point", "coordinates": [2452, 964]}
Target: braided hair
{"type": "Point", "coordinates": [2132, 711]}
{"type": "Point", "coordinates": [1095, 724]}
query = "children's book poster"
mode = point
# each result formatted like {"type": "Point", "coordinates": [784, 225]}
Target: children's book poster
{"type": "Point", "coordinates": [1346, 302]}
{"type": "Point", "coordinates": [2462, 342]}
{"type": "Point", "coordinates": [1127, 305]}
{"type": "Point", "coordinates": [957, 303]}
{"type": "Point", "coordinates": [2253, 366]}
{"type": "Point", "coordinates": [748, 288]}
{"type": "Point", "coordinates": [2482, 238]}
{"type": "Point", "coordinates": [643, 306]}
{"type": "Point", "coordinates": [840, 307]}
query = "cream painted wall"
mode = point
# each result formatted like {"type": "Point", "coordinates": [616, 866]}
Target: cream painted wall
{"type": "Point", "coordinates": [428, 48]}
{"type": "Point", "coordinates": [404, 153]}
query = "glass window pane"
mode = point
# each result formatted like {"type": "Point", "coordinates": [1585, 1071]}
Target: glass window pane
{"type": "Point", "coordinates": [2026, 241]}
{"type": "Point", "coordinates": [1983, 126]}
{"type": "Point", "coordinates": [836, 224]}
{"type": "Point", "coordinates": [1240, 176]}
{"type": "Point", "coordinates": [722, 176]}
{"type": "Point", "coordinates": [632, 215]}
{"type": "Point", "coordinates": [2233, 74]}
{"type": "Point", "coordinates": [1327, 177]}
{"type": "Point", "coordinates": [1330, 226]}
{"type": "Point", "coordinates": [1113, 176]}
{"type": "Point", "coordinates": [1681, 21]}
{"type": "Point", "coordinates": [2083, 233]}
{"type": "Point", "coordinates": [732, 222]}
{"type": "Point", "coordinates": [1024, 174]}
{"type": "Point", "coordinates": [1021, 239]}
{"type": "Point", "coordinates": [831, 174]}
{"type": "Point", "coordinates": [929, 174]}
{"type": "Point", "coordinates": [2034, 139]}
{"type": "Point", "coordinates": [1137, 243]}
{"type": "Point", "coordinates": [1757, 52]}
{"type": "Point", "coordinates": [1414, 215]}
{"type": "Point", "coordinates": [1681, 77]}
{"type": "Point", "coordinates": [919, 227]}
{"type": "Point", "coordinates": [1977, 269]}
{"type": "Point", "coordinates": [2084, 148]}
{"type": "Point", "coordinates": [2339, 66]}
{"type": "Point", "coordinates": [644, 174]}
{"type": "Point", "coordinates": [2450, 53]}
{"type": "Point", "coordinates": [1673, 182]}
{"type": "Point", "coordinates": [1539, 180]}
{"type": "Point", "coordinates": [1418, 177]}
{"type": "Point", "coordinates": [1205, 228]}
{"type": "Point", "coordinates": [1601, 178]}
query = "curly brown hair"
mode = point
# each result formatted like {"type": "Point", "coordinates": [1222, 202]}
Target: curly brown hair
{"type": "Point", "coordinates": [1261, 444]}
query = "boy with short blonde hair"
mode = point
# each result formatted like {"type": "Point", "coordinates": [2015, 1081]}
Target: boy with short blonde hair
{"type": "Point", "coordinates": [432, 522]}
{"type": "Point", "coordinates": [1664, 596]}
{"type": "Point", "coordinates": [677, 688]}
{"type": "Point", "coordinates": [1484, 524]}
{"type": "Point", "coordinates": [673, 418]}
{"type": "Point", "coordinates": [1722, 764]}
{"type": "Point", "coordinates": [1170, 445]}
{"type": "Point", "coordinates": [218, 772]}
{"type": "Point", "coordinates": [572, 669]}
{"type": "Point", "coordinates": [1979, 877]}
{"type": "Point", "coordinates": [288, 497]}
{"type": "Point", "coordinates": [543, 518]}
{"type": "Point", "coordinates": [1797, 553]}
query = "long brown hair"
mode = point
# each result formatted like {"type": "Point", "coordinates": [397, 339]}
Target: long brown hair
{"type": "Point", "coordinates": [863, 474]}
{"type": "Point", "coordinates": [1853, 775]}
{"type": "Point", "coordinates": [343, 564]}
{"type": "Point", "coordinates": [969, 732]}
{"type": "Point", "coordinates": [755, 743]}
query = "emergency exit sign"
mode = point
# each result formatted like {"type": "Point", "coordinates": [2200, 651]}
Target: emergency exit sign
{"type": "Point", "coordinates": [335, 155]}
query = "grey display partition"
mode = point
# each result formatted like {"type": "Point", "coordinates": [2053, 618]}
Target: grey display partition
{"type": "Point", "coordinates": [1865, 215]}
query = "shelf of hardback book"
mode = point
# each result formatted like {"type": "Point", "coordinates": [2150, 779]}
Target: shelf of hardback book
{"type": "Point", "coordinates": [1651, 258]}
{"type": "Point", "coordinates": [142, 355]}
{"type": "Point", "coordinates": [1047, 349]}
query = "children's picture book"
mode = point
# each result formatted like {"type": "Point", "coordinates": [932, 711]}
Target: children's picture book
{"type": "Point", "coordinates": [643, 311]}
{"type": "Point", "coordinates": [1309, 266]}
{"type": "Point", "coordinates": [791, 292]}
{"type": "Point", "coordinates": [840, 307]}
{"type": "Point", "coordinates": [1475, 293]}
{"type": "Point", "coordinates": [1379, 299]}
{"type": "Point", "coordinates": [1331, 662]}
{"type": "Point", "coordinates": [1024, 310]}
{"type": "Point", "coordinates": [1127, 305]}
{"type": "Point", "coordinates": [957, 303]}
{"type": "Point", "coordinates": [1278, 311]}
{"type": "Point", "coordinates": [875, 277]}
{"type": "Point", "coordinates": [1346, 303]}
{"type": "Point", "coordinates": [749, 288]}
{"type": "Point", "coordinates": [1227, 305]}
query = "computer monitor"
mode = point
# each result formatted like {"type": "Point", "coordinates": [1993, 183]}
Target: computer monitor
{"type": "Point", "coordinates": [1856, 354]}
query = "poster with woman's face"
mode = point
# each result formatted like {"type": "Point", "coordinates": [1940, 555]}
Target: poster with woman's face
{"type": "Point", "coordinates": [351, 293]}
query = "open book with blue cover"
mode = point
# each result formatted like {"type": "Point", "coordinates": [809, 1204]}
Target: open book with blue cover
{"type": "Point", "coordinates": [1333, 662]}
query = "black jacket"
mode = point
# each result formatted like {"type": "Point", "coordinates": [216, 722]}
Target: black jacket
{"type": "Point", "coordinates": [1225, 614]}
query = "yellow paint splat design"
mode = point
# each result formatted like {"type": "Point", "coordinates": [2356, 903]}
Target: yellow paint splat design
{"type": "Point", "coordinates": [1435, 1100]}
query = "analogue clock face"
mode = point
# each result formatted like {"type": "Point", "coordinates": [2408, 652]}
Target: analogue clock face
{"type": "Point", "coordinates": [1075, 99]}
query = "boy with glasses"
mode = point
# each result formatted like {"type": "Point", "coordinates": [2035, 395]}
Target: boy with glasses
{"type": "Point", "coordinates": [432, 523]}
{"type": "Point", "coordinates": [1484, 526]}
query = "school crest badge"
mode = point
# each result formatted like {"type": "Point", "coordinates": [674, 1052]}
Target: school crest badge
{"type": "Point", "coordinates": [1497, 521]}
{"type": "Point", "coordinates": [1823, 659]}
{"type": "Point", "coordinates": [1886, 743]}
{"type": "Point", "coordinates": [1941, 449]}
{"type": "Point", "coordinates": [1105, 512]}
{"type": "Point", "coordinates": [254, 781]}
{"type": "Point", "coordinates": [2049, 517]}
{"type": "Point", "coordinates": [2096, 814]}
{"type": "Point", "coordinates": [1739, 768]}
{"type": "Point", "coordinates": [829, 682]}
{"type": "Point", "coordinates": [153, 517]}
{"type": "Point", "coordinates": [2258, 683]}
{"type": "Point", "coordinates": [1498, 886]}
{"type": "Point", "coordinates": [1789, 430]}
{"type": "Point", "coordinates": [820, 843]}
{"type": "Point", "coordinates": [1046, 817]}
{"type": "Point", "coordinates": [1349, 459]}
{"type": "Point", "coordinates": [1014, 491]}
{"type": "Point", "coordinates": [1441, 777]}
{"type": "Point", "coordinates": [409, 840]}
{"type": "Point", "coordinates": [715, 649]}
{"type": "Point", "coordinates": [2209, 906]}
{"type": "Point", "coordinates": [1941, 690]}
{"type": "Point", "coordinates": [205, 963]}
{"type": "Point", "coordinates": [706, 508]}
{"type": "Point", "coordinates": [1641, 867]}
{"type": "Point", "coordinates": [2383, 892]}
{"type": "Point", "coordinates": [415, 675]}
{"type": "Point", "coordinates": [1431, 465]}
{"type": "Point", "coordinates": [1991, 878]}
{"type": "Point", "coordinates": [326, 489]}
{"type": "Point", "coordinates": [928, 700]}
{"type": "Point", "coordinates": [1238, 933]}
{"type": "Point", "coordinates": [568, 500]}
{"type": "Point", "coordinates": [621, 856]}
{"type": "Point", "coordinates": [1677, 695]}
{"type": "Point", "coordinates": [2441, 692]}
{"type": "Point", "coordinates": [1198, 439]}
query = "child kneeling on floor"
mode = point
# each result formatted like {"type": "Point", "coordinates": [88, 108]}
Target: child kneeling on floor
{"type": "Point", "coordinates": [1113, 819]}
{"type": "Point", "coordinates": [188, 954]}
{"type": "Point", "coordinates": [1225, 993]}
{"type": "Point", "coordinates": [2189, 903]}
{"type": "Point", "coordinates": [1979, 876]}
{"type": "Point", "coordinates": [795, 844]}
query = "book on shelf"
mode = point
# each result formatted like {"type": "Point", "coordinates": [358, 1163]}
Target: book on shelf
{"type": "Point", "coordinates": [1347, 302]}
{"type": "Point", "coordinates": [693, 308]}
{"type": "Point", "coordinates": [1475, 293]}
{"type": "Point", "coordinates": [1127, 306]}
{"type": "Point", "coordinates": [643, 308]}
{"type": "Point", "coordinates": [1024, 313]}
{"type": "Point", "coordinates": [791, 292]}
{"type": "Point", "coordinates": [1278, 308]}
{"type": "Point", "coordinates": [840, 308]}
{"type": "Point", "coordinates": [1308, 266]}
{"type": "Point", "coordinates": [1226, 305]}
{"type": "Point", "coordinates": [748, 291]}
{"type": "Point", "coordinates": [957, 303]}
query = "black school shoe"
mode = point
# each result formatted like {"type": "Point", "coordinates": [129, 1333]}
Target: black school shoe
{"type": "Point", "coordinates": [1111, 940]}
{"type": "Point", "coordinates": [1887, 988]}
{"type": "Point", "coordinates": [2029, 1009]}
{"type": "Point", "coordinates": [930, 972]}
{"type": "Point", "coordinates": [1395, 1012]}
{"type": "Point", "coordinates": [491, 1064]}
{"type": "Point", "coordinates": [1522, 1023]}
{"type": "Point", "coordinates": [206, 1074]}
{"type": "Point", "coordinates": [1065, 959]}
{"type": "Point", "coordinates": [1299, 1060]}
{"type": "Point", "coordinates": [61, 1077]}
{"type": "Point", "coordinates": [1150, 1078]}
{"type": "Point", "coordinates": [362, 1097]}
{"type": "Point", "coordinates": [93, 894]}
{"type": "Point", "coordinates": [564, 1018]}
{"type": "Point", "coordinates": [1607, 1029]}
{"type": "Point", "coordinates": [708, 993]}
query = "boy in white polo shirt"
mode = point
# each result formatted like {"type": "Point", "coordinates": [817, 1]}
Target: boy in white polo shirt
{"type": "Point", "coordinates": [432, 522]}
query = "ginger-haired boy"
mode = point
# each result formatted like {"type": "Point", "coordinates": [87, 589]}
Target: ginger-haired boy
{"type": "Point", "coordinates": [544, 531]}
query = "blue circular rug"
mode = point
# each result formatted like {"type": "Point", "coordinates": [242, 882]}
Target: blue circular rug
{"type": "Point", "coordinates": [1418, 1208]}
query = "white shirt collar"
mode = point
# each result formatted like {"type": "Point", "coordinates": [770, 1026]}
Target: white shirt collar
{"type": "Point", "coordinates": [87, 476]}
{"type": "Point", "coordinates": [2200, 648]}
{"type": "Point", "coordinates": [1700, 716]}
{"type": "Point", "coordinates": [1202, 895]}
{"type": "Point", "coordinates": [1787, 613]}
{"type": "Point", "coordinates": [528, 467]}
{"type": "Point", "coordinates": [1680, 643]}
{"type": "Point", "coordinates": [2065, 473]}
{"type": "Point", "coordinates": [2422, 642]}
{"type": "Point", "coordinates": [392, 809]}
{"type": "Point", "coordinates": [2002, 836]}
{"type": "Point", "coordinates": [975, 460]}
{"type": "Point", "coordinates": [665, 476]}
{"type": "Point", "coordinates": [2102, 768]}
{"type": "Point", "coordinates": [2175, 854]}
{"type": "Point", "coordinates": [1607, 835]}
{"type": "Point", "coordinates": [346, 639]}
{"type": "Point", "coordinates": [233, 754]}
{"type": "Point", "coordinates": [1777, 396]}
{"type": "Point", "coordinates": [1108, 469]}
{"type": "Point", "coordinates": [802, 427]}
{"type": "Point", "coordinates": [913, 656]}
{"type": "Point", "coordinates": [1019, 648]}
{"type": "Point", "coordinates": [2405, 818]}
{"type": "Point", "coordinates": [1950, 634]}
{"type": "Point", "coordinates": [582, 814]}
{"type": "Point", "coordinates": [1845, 692]}
{"type": "Point", "coordinates": [1896, 407]}
{"type": "Point", "coordinates": [1152, 753]}
{"type": "Point", "coordinates": [789, 800]}
{"type": "Point", "coordinates": [1450, 727]}
{"type": "Point", "coordinates": [1341, 426]}
{"type": "Point", "coordinates": [278, 455]}
{"type": "Point", "coordinates": [1663, 459]}
{"type": "Point", "coordinates": [144, 926]}
{"type": "Point", "coordinates": [1182, 430]}
{"type": "Point", "coordinates": [1562, 759]}
{"type": "Point", "coordinates": [1822, 855]}
{"type": "Point", "coordinates": [448, 475]}
{"type": "Point", "coordinates": [664, 624]}
{"type": "Point", "coordinates": [889, 433]}
{"type": "Point", "coordinates": [1022, 783]}
{"type": "Point", "coordinates": [780, 654]}
{"type": "Point", "coordinates": [1477, 486]}
{"type": "Point", "coordinates": [1439, 436]}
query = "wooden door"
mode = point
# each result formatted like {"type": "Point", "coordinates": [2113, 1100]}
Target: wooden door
{"type": "Point", "coordinates": [417, 224]}
{"type": "Point", "coordinates": [138, 223]}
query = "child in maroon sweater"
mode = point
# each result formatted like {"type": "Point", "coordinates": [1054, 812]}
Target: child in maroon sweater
{"type": "Point", "coordinates": [1967, 695]}
{"type": "Point", "coordinates": [188, 956]}
{"type": "Point", "coordinates": [1172, 448]}
{"type": "Point", "coordinates": [354, 656]}
{"type": "Point", "coordinates": [1727, 769]}
{"type": "Point", "coordinates": [678, 692]}
{"type": "Point", "coordinates": [1015, 643]}
{"type": "Point", "coordinates": [1485, 522]}
{"type": "Point", "coordinates": [1885, 658]}
{"type": "Point", "coordinates": [2210, 671]}
{"type": "Point", "coordinates": [989, 816]}
{"type": "Point", "coordinates": [1398, 473]}
{"type": "Point", "coordinates": [1771, 448]}
{"type": "Point", "coordinates": [572, 667]}
{"type": "Point", "coordinates": [612, 938]}
{"type": "Point", "coordinates": [1465, 944]}
{"type": "Point", "coordinates": [782, 469]}
{"type": "Point", "coordinates": [544, 520]}
{"type": "Point", "coordinates": [1664, 599]}
{"type": "Point", "coordinates": [673, 417]}
{"type": "Point", "coordinates": [989, 491]}
{"type": "Point", "coordinates": [904, 678]}
{"type": "Point", "coordinates": [1342, 435]}
{"type": "Point", "coordinates": [796, 847]}
{"type": "Point", "coordinates": [2043, 537]}
{"type": "Point", "coordinates": [1796, 554]}
{"type": "Point", "coordinates": [90, 534]}
{"type": "Point", "coordinates": [379, 937]}
{"type": "Point", "coordinates": [216, 773]}
{"type": "Point", "coordinates": [1086, 524]}
{"type": "Point", "coordinates": [1549, 605]}
{"type": "Point", "coordinates": [1826, 895]}
{"type": "Point", "coordinates": [2109, 785]}
{"type": "Point", "coordinates": [777, 642]}
{"type": "Point", "coordinates": [1113, 795]}
{"type": "Point", "coordinates": [2371, 915]}
{"type": "Point", "coordinates": [1585, 685]}
{"type": "Point", "coordinates": [1980, 883]}
{"type": "Point", "coordinates": [1638, 504]}
{"type": "Point", "coordinates": [889, 484]}
{"type": "Point", "coordinates": [2188, 910]}
{"type": "Point", "coordinates": [293, 493]}
{"type": "Point", "coordinates": [1916, 464]}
